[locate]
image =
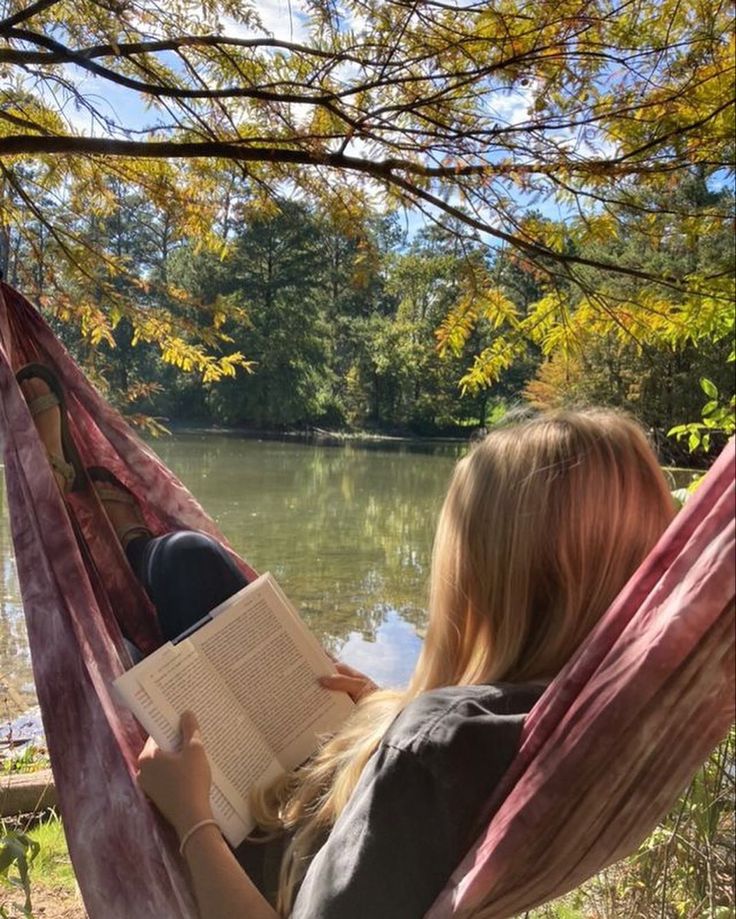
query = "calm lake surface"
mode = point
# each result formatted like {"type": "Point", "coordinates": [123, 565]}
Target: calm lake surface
{"type": "Point", "coordinates": [346, 530]}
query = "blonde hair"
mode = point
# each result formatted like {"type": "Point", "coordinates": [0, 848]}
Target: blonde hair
{"type": "Point", "coordinates": [543, 523]}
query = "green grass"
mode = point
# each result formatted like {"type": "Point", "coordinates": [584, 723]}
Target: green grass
{"type": "Point", "coordinates": [31, 760]}
{"type": "Point", "coordinates": [52, 866]}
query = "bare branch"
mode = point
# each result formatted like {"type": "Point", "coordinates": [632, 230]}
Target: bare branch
{"type": "Point", "coordinates": [27, 13]}
{"type": "Point", "coordinates": [130, 49]}
{"type": "Point", "coordinates": [156, 89]}
{"type": "Point", "coordinates": [382, 170]}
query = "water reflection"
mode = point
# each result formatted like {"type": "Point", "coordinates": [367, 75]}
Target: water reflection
{"type": "Point", "coordinates": [347, 530]}
{"type": "Point", "coordinates": [390, 655]}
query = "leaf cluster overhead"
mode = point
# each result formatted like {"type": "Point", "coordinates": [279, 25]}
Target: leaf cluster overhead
{"type": "Point", "coordinates": [472, 109]}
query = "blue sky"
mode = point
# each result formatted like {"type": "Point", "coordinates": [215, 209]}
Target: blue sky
{"type": "Point", "coordinates": [286, 19]}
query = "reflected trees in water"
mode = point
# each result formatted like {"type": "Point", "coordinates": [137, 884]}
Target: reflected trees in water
{"type": "Point", "coordinates": [347, 530]}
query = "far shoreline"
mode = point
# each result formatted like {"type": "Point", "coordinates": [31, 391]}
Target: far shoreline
{"type": "Point", "coordinates": [323, 436]}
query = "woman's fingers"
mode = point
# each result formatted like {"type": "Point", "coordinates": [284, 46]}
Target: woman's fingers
{"type": "Point", "coordinates": [352, 672]}
{"type": "Point", "coordinates": [357, 687]}
{"type": "Point", "coordinates": [348, 671]}
{"type": "Point", "coordinates": [149, 750]}
{"type": "Point", "coordinates": [189, 727]}
{"type": "Point", "coordinates": [190, 735]}
{"type": "Point", "coordinates": [178, 783]}
{"type": "Point", "coordinates": [347, 679]}
{"type": "Point", "coordinates": [340, 683]}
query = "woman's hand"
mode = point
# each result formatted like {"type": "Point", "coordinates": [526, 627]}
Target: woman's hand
{"type": "Point", "coordinates": [178, 783]}
{"type": "Point", "coordinates": [356, 684]}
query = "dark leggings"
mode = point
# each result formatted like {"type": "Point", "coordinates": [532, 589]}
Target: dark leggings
{"type": "Point", "coordinates": [186, 574]}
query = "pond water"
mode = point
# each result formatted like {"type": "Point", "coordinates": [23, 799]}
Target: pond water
{"type": "Point", "coordinates": [345, 529]}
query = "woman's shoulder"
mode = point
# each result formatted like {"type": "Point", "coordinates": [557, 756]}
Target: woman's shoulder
{"type": "Point", "coordinates": [461, 717]}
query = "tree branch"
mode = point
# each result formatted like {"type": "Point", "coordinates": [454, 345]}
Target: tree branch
{"type": "Point", "coordinates": [129, 49]}
{"type": "Point", "coordinates": [384, 171]}
{"type": "Point", "coordinates": [27, 13]}
{"type": "Point", "coordinates": [156, 89]}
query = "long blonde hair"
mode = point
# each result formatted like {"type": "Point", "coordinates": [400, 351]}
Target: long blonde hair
{"type": "Point", "coordinates": [543, 523]}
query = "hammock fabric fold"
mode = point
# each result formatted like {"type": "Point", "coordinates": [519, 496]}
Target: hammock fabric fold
{"type": "Point", "coordinates": [79, 597]}
{"type": "Point", "coordinates": [603, 756]}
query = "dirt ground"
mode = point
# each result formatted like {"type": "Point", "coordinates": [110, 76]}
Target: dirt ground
{"type": "Point", "coordinates": [54, 903]}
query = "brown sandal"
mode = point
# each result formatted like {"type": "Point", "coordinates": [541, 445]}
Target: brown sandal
{"type": "Point", "coordinates": [69, 466]}
{"type": "Point", "coordinates": [109, 488]}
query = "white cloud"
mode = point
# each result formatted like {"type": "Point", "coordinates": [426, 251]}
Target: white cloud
{"type": "Point", "coordinates": [284, 19]}
{"type": "Point", "coordinates": [511, 106]}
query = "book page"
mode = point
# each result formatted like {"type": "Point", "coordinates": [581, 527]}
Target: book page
{"type": "Point", "coordinates": [176, 679]}
{"type": "Point", "coordinates": [270, 662]}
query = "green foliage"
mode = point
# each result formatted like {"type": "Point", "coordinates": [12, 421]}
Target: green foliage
{"type": "Point", "coordinates": [104, 277]}
{"type": "Point", "coordinates": [717, 418]}
{"type": "Point", "coordinates": [630, 345]}
{"type": "Point", "coordinates": [30, 760]}
{"type": "Point", "coordinates": [17, 853]}
{"type": "Point", "coordinates": [40, 853]}
{"type": "Point", "coordinates": [52, 866]}
{"type": "Point", "coordinates": [471, 113]}
{"type": "Point", "coordinates": [345, 325]}
{"type": "Point", "coordinates": [337, 325]}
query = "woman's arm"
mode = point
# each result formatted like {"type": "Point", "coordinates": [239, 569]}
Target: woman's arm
{"type": "Point", "coordinates": [222, 889]}
{"type": "Point", "coordinates": [179, 785]}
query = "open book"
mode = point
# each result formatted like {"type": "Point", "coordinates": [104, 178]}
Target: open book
{"type": "Point", "coordinates": [249, 673]}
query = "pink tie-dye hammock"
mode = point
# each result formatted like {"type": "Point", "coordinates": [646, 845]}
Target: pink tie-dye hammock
{"type": "Point", "coordinates": [603, 755]}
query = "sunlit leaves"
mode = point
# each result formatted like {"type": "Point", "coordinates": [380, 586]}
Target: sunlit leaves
{"type": "Point", "coordinates": [17, 853]}
{"type": "Point", "coordinates": [491, 362]}
{"type": "Point", "coordinates": [592, 113]}
{"type": "Point", "coordinates": [475, 305]}
{"type": "Point", "coordinates": [718, 417]}
{"type": "Point", "coordinates": [574, 101]}
{"type": "Point", "coordinates": [187, 356]}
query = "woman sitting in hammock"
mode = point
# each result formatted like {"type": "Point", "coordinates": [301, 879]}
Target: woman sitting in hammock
{"type": "Point", "coordinates": [544, 522]}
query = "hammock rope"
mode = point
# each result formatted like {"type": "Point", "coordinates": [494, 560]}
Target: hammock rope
{"type": "Point", "coordinates": [603, 755]}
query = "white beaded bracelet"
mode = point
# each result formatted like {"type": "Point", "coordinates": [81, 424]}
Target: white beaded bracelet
{"type": "Point", "coordinates": [192, 830]}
